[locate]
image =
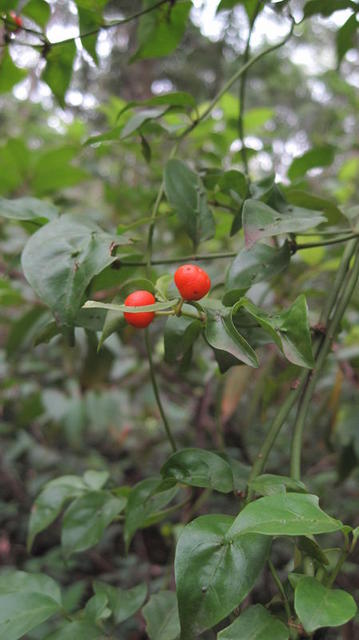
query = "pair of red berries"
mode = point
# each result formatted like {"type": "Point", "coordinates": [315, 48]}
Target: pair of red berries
{"type": "Point", "coordinates": [16, 20]}
{"type": "Point", "coordinates": [191, 281]}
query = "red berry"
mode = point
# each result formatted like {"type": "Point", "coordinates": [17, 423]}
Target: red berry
{"type": "Point", "coordinates": [192, 282]}
{"type": "Point", "coordinates": [17, 19]}
{"type": "Point", "coordinates": [139, 299]}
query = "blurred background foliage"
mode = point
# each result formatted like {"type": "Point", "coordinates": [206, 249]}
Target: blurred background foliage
{"type": "Point", "coordinates": [65, 410]}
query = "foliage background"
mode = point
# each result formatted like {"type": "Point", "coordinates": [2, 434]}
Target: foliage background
{"type": "Point", "coordinates": [66, 410]}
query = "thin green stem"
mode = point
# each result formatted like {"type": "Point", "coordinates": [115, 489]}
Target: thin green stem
{"type": "Point", "coordinates": [280, 588]}
{"type": "Point", "coordinates": [236, 77]}
{"type": "Point", "coordinates": [349, 282]}
{"type": "Point", "coordinates": [242, 91]}
{"type": "Point", "coordinates": [325, 243]}
{"type": "Point", "coordinates": [157, 393]}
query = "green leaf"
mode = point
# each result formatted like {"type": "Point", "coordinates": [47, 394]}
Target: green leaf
{"type": "Point", "coordinates": [95, 480]}
{"type": "Point", "coordinates": [79, 629]}
{"type": "Point", "coordinates": [316, 157]}
{"type": "Point", "coordinates": [86, 519]}
{"type": "Point", "coordinates": [346, 36]}
{"type": "Point", "coordinates": [26, 601]}
{"type": "Point", "coordinates": [255, 623]}
{"type": "Point", "coordinates": [58, 71]}
{"type": "Point", "coordinates": [53, 171]}
{"type": "Point", "coordinates": [10, 74]}
{"type": "Point", "coordinates": [90, 19]}
{"type": "Point", "coordinates": [261, 221]}
{"type": "Point", "coordinates": [37, 10]}
{"type": "Point", "coordinates": [60, 260]}
{"type": "Point", "coordinates": [291, 514]}
{"type": "Point", "coordinates": [214, 573]}
{"type": "Point", "coordinates": [312, 549]}
{"type": "Point", "coordinates": [145, 501]}
{"type": "Point", "coordinates": [199, 468]}
{"type": "Point", "coordinates": [161, 615]}
{"type": "Point", "coordinates": [294, 332]}
{"type": "Point", "coordinates": [14, 160]}
{"type": "Point", "coordinates": [96, 608]}
{"type": "Point", "coordinates": [317, 606]}
{"type": "Point", "coordinates": [179, 336]}
{"type": "Point", "coordinates": [260, 262]}
{"type": "Point", "coordinates": [186, 194]}
{"type": "Point", "coordinates": [173, 99]}
{"type": "Point", "coordinates": [28, 209]}
{"type": "Point", "coordinates": [229, 346]}
{"type": "Point", "coordinates": [160, 31]}
{"type": "Point", "coordinates": [269, 484]}
{"type": "Point", "coordinates": [156, 306]}
{"type": "Point", "coordinates": [123, 602]}
{"type": "Point", "coordinates": [49, 503]}
{"type": "Point", "coordinates": [326, 7]}
{"type": "Point", "coordinates": [140, 118]}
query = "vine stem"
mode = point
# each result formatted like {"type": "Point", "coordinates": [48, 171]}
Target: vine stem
{"type": "Point", "coordinates": [298, 385]}
{"type": "Point", "coordinates": [351, 279]}
{"type": "Point", "coordinates": [242, 90]}
{"type": "Point", "coordinates": [157, 393]}
{"type": "Point", "coordinates": [280, 588]}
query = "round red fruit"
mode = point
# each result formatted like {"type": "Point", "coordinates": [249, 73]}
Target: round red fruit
{"type": "Point", "coordinates": [192, 282]}
{"type": "Point", "coordinates": [16, 19]}
{"type": "Point", "coordinates": [139, 299]}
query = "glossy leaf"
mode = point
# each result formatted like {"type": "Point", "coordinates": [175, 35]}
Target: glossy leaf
{"type": "Point", "coordinates": [161, 616]}
{"type": "Point", "coordinates": [26, 601]}
{"type": "Point", "coordinates": [186, 194]}
{"type": "Point", "coordinates": [294, 332]}
{"type": "Point", "coordinates": [10, 74]}
{"type": "Point", "coordinates": [28, 209]}
{"type": "Point", "coordinates": [255, 623]}
{"type": "Point", "coordinates": [199, 468]}
{"type": "Point", "coordinates": [316, 157]}
{"type": "Point", "coordinates": [51, 500]}
{"type": "Point", "coordinates": [317, 606]}
{"type": "Point", "coordinates": [60, 260]}
{"type": "Point", "coordinates": [86, 519]}
{"type": "Point", "coordinates": [229, 346]}
{"type": "Point", "coordinates": [261, 221]}
{"type": "Point", "coordinates": [291, 514]}
{"type": "Point", "coordinates": [122, 602]}
{"type": "Point", "coordinates": [213, 572]}
{"type": "Point", "coordinates": [160, 31]}
{"type": "Point", "coordinates": [260, 262]}
{"type": "Point", "coordinates": [139, 119]}
{"type": "Point", "coordinates": [58, 71]}
{"type": "Point", "coordinates": [269, 484]}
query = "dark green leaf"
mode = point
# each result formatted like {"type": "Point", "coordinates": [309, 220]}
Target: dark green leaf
{"type": "Point", "coordinates": [174, 99]}
{"type": "Point", "coordinates": [317, 606]}
{"type": "Point", "coordinates": [26, 601]}
{"type": "Point", "coordinates": [346, 36]}
{"type": "Point", "coordinates": [255, 623]}
{"type": "Point", "coordinates": [138, 119]}
{"type": "Point", "coordinates": [291, 514]}
{"type": "Point", "coordinates": [294, 332]}
{"type": "Point", "coordinates": [229, 346]}
{"type": "Point", "coordinates": [123, 602]}
{"type": "Point", "coordinates": [186, 194]}
{"type": "Point", "coordinates": [10, 74]}
{"type": "Point", "coordinates": [261, 221]}
{"type": "Point", "coordinates": [145, 501]}
{"type": "Point", "coordinates": [161, 615]}
{"type": "Point", "coordinates": [86, 519]}
{"type": "Point", "coordinates": [214, 573]}
{"type": "Point", "coordinates": [89, 21]}
{"type": "Point", "coordinates": [316, 157]}
{"type": "Point", "coordinates": [326, 7]}
{"type": "Point", "coordinates": [179, 336]}
{"type": "Point", "coordinates": [28, 209]}
{"type": "Point", "coordinates": [269, 484]}
{"type": "Point", "coordinates": [96, 608]}
{"type": "Point", "coordinates": [260, 262]}
{"type": "Point", "coordinates": [199, 468]}
{"type": "Point", "coordinates": [312, 549]}
{"type": "Point", "coordinates": [58, 71]}
{"type": "Point", "coordinates": [60, 260]}
{"type": "Point", "coordinates": [160, 31]}
{"type": "Point", "coordinates": [38, 10]}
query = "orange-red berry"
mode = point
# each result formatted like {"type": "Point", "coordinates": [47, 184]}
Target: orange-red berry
{"type": "Point", "coordinates": [192, 282]}
{"type": "Point", "coordinates": [16, 19]}
{"type": "Point", "coordinates": [139, 299]}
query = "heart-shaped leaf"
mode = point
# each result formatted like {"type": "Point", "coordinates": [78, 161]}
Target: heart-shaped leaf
{"type": "Point", "coordinates": [317, 606]}
{"type": "Point", "coordinates": [161, 615]}
{"type": "Point", "coordinates": [199, 468]}
{"type": "Point", "coordinates": [255, 623]}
